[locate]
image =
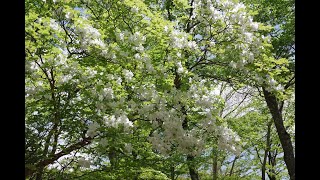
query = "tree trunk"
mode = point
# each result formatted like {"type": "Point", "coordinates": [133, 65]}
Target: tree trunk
{"type": "Point", "coordinates": [172, 172]}
{"type": "Point", "coordinates": [39, 173]}
{"type": "Point", "coordinates": [267, 150]}
{"type": "Point", "coordinates": [284, 137]}
{"type": "Point", "coordinates": [113, 158]}
{"type": "Point", "coordinates": [193, 173]}
{"type": "Point", "coordinates": [272, 162]}
{"type": "Point", "coordinates": [271, 173]}
{"type": "Point", "coordinates": [232, 167]}
{"type": "Point", "coordinates": [215, 166]}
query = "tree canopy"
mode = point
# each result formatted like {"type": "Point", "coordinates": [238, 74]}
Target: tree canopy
{"type": "Point", "coordinates": [170, 89]}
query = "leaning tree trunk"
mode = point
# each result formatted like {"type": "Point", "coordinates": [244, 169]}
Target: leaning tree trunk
{"type": "Point", "coordinates": [232, 167]}
{"type": "Point", "coordinates": [284, 136]}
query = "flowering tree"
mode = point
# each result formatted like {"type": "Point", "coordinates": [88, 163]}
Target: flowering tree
{"type": "Point", "coordinates": [131, 78]}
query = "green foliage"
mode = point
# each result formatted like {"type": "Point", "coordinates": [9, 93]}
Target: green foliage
{"type": "Point", "coordinates": [76, 51]}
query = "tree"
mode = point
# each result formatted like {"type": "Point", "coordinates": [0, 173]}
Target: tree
{"type": "Point", "coordinates": [122, 85]}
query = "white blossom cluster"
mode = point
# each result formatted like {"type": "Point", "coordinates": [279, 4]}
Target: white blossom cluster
{"type": "Point", "coordinates": [137, 39]}
{"type": "Point", "coordinates": [92, 131]}
{"type": "Point", "coordinates": [84, 163]}
{"type": "Point", "coordinates": [228, 140]}
{"type": "Point", "coordinates": [160, 112]}
{"type": "Point", "coordinates": [179, 39]}
{"type": "Point", "coordinates": [272, 84]}
{"type": "Point", "coordinates": [89, 35]}
{"type": "Point", "coordinates": [116, 120]}
{"type": "Point", "coordinates": [237, 24]}
{"type": "Point", "coordinates": [127, 74]}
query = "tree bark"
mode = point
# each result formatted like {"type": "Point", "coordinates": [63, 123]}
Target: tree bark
{"type": "Point", "coordinates": [284, 136]}
{"type": "Point", "coordinates": [272, 162]}
{"type": "Point", "coordinates": [271, 173]}
{"type": "Point", "coordinates": [193, 173]}
{"type": "Point", "coordinates": [215, 166]}
{"type": "Point", "coordinates": [267, 150]}
{"type": "Point", "coordinates": [232, 167]}
{"type": "Point", "coordinates": [113, 158]}
{"type": "Point", "coordinates": [172, 174]}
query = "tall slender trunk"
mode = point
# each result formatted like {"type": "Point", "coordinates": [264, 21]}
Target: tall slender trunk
{"type": "Point", "coordinates": [267, 150]}
{"type": "Point", "coordinates": [232, 167]}
{"type": "Point", "coordinates": [215, 166]}
{"type": "Point", "coordinates": [271, 173]}
{"type": "Point", "coordinates": [272, 162]}
{"type": "Point", "coordinates": [284, 136]}
{"type": "Point", "coordinates": [172, 172]}
{"type": "Point", "coordinates": [192, 171]}
{"type": "Point", "coordinates": [113, 158]}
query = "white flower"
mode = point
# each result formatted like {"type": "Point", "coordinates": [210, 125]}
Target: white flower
{"type": "Point", "coordinates": [104, 142]}
{"type": "Point", "coordinates": [255, 26]}
{"type": "Point", "coordinates": [272, 82]}
{"type": "Point", "coordinates": [119, 80]}
{"type": "Point", "coordinates": [68, 15]}
{"type": "Point", "coordinates": [121, 36]}
{"type": "Point", "coordinates": [94, 126]}
{"type": "Point", "coordinates": [54, 25]}
{"type": "Point", "coordinates": [137, 56]}
{"type": "Point", "coordinates": [84, 163]}
{"type": "Point", "coordinates": [149, 67]}
{"type": "Point", "coordinates": [192, 44]}
{"type": "Point", "coordinates": [251, 57]}
{"type": "Point", "coordinates": [166, 28]}
{"type": "Point", "coordinates": [135, 9]}
{"type": "Point", "coordinates": [108, 92]}
{"type": "Point", "coordinates": [104, 53]}
{"type": "Point", "coordinates": [279, 88]}
{"type": "Point", "coordinates": [35, 113]}
{"type": "Point", "coordinates": [241, 63]}
{"type": "Point", "coordinates": [123, 119]}
{"type": "Point", "coordinates": [139, 48]}
{"type": "Point", "coordinates": [180, 68]}
{"type": "Point", "coordinates": [233, 64]}
{"type": "Point", "coordinates": [128, 148]}
{"type": "Point", "coordinates": [92, 130]}
{"type": "Point", "coordinates": [127, 74]}
{"type": "Point", "coordinates": [248, 36]}
{"type": "Point", "coordinates": [91, 133]}
{"type": "Point", "coordinates": [111, 121]}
